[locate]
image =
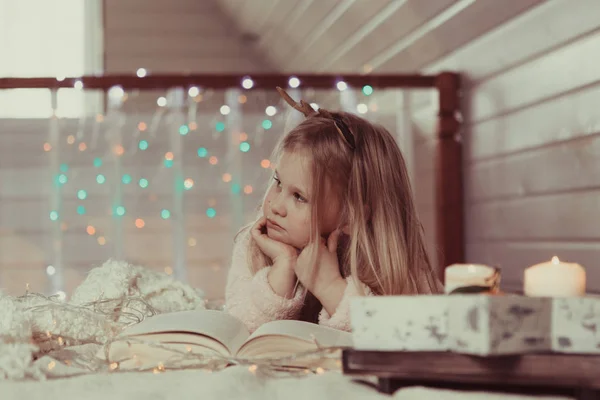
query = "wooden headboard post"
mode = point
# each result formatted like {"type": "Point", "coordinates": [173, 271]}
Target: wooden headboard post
{"type": "Point", "coordinates": [450, 229]}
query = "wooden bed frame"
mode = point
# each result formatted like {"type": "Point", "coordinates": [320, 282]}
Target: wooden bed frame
{"type": "Point", "coordinates": [549, 374]}
{"type": "Point", "coordinates": [448, 161]}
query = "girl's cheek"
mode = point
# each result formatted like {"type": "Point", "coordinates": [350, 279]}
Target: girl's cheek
{"type": "Point", "coordinates": [306, 222]}
{"type": "Point", "coordinates": [268, 197]}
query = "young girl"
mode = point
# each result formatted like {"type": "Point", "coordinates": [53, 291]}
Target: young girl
{"type": "Point", "coordinates": [337, 221]}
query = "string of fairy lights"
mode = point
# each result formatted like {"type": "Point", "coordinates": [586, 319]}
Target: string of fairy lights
{"type": "Point", "coordinates": [186, 107]}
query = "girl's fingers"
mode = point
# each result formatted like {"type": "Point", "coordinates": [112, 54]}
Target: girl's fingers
{"type": "Point", "coordinates": [258, 225]}
{"type": "Point", "coordinates": [257, 232]}
{"type": "Point", "coordinates": [262, 221]}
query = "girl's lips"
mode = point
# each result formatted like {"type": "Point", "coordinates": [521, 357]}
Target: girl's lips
{"type": "Point", "coordinates": [274, 225]}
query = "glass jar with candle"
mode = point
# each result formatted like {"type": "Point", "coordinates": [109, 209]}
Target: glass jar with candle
{"type": "Point", "coordinates": [471, 278]}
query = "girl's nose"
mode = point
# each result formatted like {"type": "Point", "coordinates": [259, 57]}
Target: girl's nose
{"type": "Point", "coordinates": [277, 206]}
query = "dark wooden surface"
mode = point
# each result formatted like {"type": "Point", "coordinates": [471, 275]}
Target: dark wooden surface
{"type": "Point", "coordinates": [575, 375]}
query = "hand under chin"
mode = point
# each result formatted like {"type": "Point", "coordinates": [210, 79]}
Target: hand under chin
{"type": "Point", "coordinates": [281, 237]}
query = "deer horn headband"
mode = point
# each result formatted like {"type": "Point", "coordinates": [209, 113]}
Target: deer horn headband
{"type": "Point", "coordinates": [308, 111]}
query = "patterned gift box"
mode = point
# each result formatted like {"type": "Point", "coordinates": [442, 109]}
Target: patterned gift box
{"type": "Point", "coordinates": [487, 325]}
{"type": "Point", "coordinates": [477, 324]}
{"type": "Point", "coordinates": [412, 323]}
{"type": "Point", "coordinates": [576, 325]}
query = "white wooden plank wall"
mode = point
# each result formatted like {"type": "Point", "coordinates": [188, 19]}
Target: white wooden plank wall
{"type": "Point", "coordinates": [363, 36]}
{"type": "Point", "coordinates": [532, 155]}
{"type": "Point", "coordinates": [176, 36]}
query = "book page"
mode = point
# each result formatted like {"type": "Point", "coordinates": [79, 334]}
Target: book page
{"type": "Point", "coordinates": [286, 338]}
{"type": "Point", "coordinates": [278, 338]}
{"type": "Point", "coordinates": [218, 325]}
{"type": "Point", "coordinates": [207, 342]}
{"type": "Point", "coordinates": [325, 336]}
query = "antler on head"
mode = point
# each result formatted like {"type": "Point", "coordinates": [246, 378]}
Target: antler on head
{"type": "Point", "coordinates": [303, 106]}
{"type": "Point", "coordinates": [307, 110]}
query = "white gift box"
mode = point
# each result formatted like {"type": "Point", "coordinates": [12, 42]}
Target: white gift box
{"type": "Point", "coordinates": [499, 324]}
{"type": "Point", "coordinates": [477, 324]}
{"type": "Point", "coordinates": [576, 325]}
{"type": "Point", "coordinates": [412, 323]}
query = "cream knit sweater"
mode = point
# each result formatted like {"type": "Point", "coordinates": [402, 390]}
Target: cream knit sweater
{"type": "Point", "coordinates": [252, 300]}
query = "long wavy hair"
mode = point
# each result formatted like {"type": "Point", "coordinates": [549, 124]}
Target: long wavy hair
{"type": "Point", "coordinates": [384, 247]}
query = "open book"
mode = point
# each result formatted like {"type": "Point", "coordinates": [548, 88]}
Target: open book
{"type": "Point", "coordinates": [216, 332]}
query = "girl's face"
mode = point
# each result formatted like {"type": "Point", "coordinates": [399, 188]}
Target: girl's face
{"type": "Point", "coordinates": [287, 204]}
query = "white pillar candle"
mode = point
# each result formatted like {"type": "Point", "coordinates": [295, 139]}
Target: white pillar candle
{"type": "Point", "coordinates": [464, 275]}
{"type": "Point", "coordinates": [555, 279]}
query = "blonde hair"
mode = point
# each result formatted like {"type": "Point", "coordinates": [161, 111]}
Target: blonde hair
{"type": "Point", "coordinates": [385, 248]}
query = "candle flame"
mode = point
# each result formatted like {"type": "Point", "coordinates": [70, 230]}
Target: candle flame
{"type": "Point", "coordinates": [555, 260]}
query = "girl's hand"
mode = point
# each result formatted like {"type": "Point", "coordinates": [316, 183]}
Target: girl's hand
{"type": "Point", "coordinates": [319, 278]}
{"type": "Point", "coordinates": [277, 251]}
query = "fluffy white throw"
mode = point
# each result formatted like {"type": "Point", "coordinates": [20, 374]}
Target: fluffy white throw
{"type": "Point", "coordinates": [27, 322]}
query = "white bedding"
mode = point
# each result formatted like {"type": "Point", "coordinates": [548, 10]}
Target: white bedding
{"type": "Point", "coordinates": [231, 383]}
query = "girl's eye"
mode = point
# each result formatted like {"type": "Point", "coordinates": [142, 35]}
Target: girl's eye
{"type": "Point", "coordinates": [298, 197]}
{"type": "Point", "coordinates": [276, 179]}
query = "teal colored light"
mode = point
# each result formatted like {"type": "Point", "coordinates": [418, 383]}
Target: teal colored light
{"type": "Point", "coordinates": [184, 130]}
{"type": "Point", "coordinates": [267, 124]}
{"type": "Point", "coordinates": [100, 179]}
{"type": "Point", "coordinates": [126, 179]}
{"type": "Point", "coordinates": [97, 162]}
{"type": "Point", "coordinates": [367, 90]}
{"type": "Point", "coordinates": [211, 212]}
{"type": "Point", "coordinates": [165, 214]}
{"type": "Point", "coordinates": [80, 210]}
{"type": "Point", "coordinates": [81, 194]}
{"type": "Point", "coordinates": [53, 215]}
{"type": "Point", "coordinates": [220, 126]}
{"type": "Point", "coordinates": [202, 152]}
{"type": "Point", "coordinates": [245, 147]}
{"type": "Point", "coordinates": [62, 179]}
{"type": "Point", "coordinates": [64, 167]}
{"type": "Point", "coordinates": [236, 188]}
{"type": "Point", "coordinates": [143, 145]}
{"type": "Point", "coordinates": [168, 163]}
{"type": "Point", "coordinates": [143, 183]}
{"type": "Point", "coordinates": [120, 211]}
